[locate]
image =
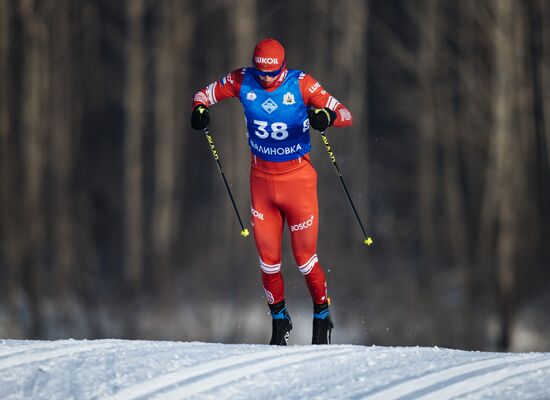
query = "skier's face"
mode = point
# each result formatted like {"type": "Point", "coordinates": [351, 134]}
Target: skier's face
{"type": "Point", "coordinates": [269, 78]}
{"type": "Point", "coordinates": [266, 79]}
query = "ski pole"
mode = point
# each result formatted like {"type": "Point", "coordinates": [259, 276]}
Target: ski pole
{"type": "Point", "coordinates": [368, 240]}
{"type": "Point", "coordinates": [244, 231]}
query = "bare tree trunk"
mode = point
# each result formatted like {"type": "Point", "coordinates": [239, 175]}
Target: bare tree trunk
{"type": "Point", "coordinates": [133, 145]}
{"type": "Point", "coordinates": [242, 18]}
{"type": "Point", "coordinates": [350, 21]}
{"type": "Point", "coordinates": [165, 113]}
{"type": "Point", "coordinates": [504, 156]}
{"type": "Point", "coordinates": [171, 49]}
{"type": "Point", "coordinates": [528, 229]}
{"type": "Point", "coordinates": [544, 9]}
{"type": "Point", "coordinates": [33, 125]}
{"type": "Point", "coordinates": [507, 155]}
{"type": "Point", "coordinates": [472, 121]}
{"type": "Point", "coordinates": [183, 52]}
{"type": "Point", "coordinates": [61, 146]}
{"type": "Point", "coordinates": [454, 198]}
{"type": "Point", "coordinates": [427, 144]}
{"type": "Point", "coordinates": [5, 171]}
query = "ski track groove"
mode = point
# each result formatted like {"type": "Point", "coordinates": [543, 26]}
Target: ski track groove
{"type": "Point", "coordinates": [32, 357]}
{"type": "Point", "coordinates": [165, 381]}
{"type": "Point", "coordinates": [484, 380]}
{"type": "Point", "coordinates": [219, 378]}
{"type": "Point", "coordinates": [168, 380]}
{"type": "Point", "coordinates": [453, 381]}
{"type": "Point", "coordinates": [11, 351]}
{"type": "Point", "coordinates": [411, 386]}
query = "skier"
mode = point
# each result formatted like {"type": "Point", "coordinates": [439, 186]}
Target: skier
{"type": "Point", "coordinates": [280, 105]}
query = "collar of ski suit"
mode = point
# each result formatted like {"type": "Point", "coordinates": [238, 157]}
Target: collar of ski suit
{"type": "Point", "coordinates": [276, 83]}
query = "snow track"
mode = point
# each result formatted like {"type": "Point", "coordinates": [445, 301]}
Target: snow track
{"type": "Point", "coordinates": [29, 354]}
{"type": "Point", "coordinates": [210, 375]}
{"type": "Point", "coordinates": [458, 377]}
{"type": "Point", "coordinates": [481, 381]}
{"type": "Point", "coordinates": [123, 369]}
{"type": "Point", "coordinates": [14, 350]}
{"type": "Point", "coordinates": [226, 376]}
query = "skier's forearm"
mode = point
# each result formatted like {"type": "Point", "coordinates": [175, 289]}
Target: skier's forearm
{"type": "Point", "coordinates": [315, 95]}
{"type": "Point", "coordinates": [229, 86]}
{"type": "Point", "coordinates": [206, 96]}
{"type": "Point", "coordinates": [343, 117]}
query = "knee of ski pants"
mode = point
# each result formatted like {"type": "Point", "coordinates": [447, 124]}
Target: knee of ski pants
{"type": "Point", "coordinates": [306, 265]}
{"type": "Point", "coordinates": [270, 267]}
{"type": "Point", "coordinates": [304, 249]}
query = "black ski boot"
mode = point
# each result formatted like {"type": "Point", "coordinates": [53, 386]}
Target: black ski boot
{"type": "Point", "coordinates": [322, 324]}
{"type": "Point", "coordinates": [282, 324]}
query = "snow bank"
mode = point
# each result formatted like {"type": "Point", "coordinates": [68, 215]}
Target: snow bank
{"type": "Point", "coordinates": [123, 369]}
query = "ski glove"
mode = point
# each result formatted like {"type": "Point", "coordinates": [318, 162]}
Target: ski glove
{"type": "Point", "coordinates": [321, 118]}
{"type": "Point", "coordinates": [200, 117]}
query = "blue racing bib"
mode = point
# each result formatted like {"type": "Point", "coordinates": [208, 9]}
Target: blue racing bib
{"type": "Point", "coordinates": [277, 122]}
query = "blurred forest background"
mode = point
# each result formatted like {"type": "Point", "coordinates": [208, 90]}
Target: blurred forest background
{"type": "Point", "coordinates": [114, 221]}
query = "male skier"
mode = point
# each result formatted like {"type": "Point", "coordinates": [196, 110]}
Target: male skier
{"type": "Point", "coordinates": [280, 105]}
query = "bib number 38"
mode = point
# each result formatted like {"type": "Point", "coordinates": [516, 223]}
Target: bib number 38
{"type": "Point", "coordinates": [278, 130]}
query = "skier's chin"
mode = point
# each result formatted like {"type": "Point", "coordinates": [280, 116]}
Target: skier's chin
{"type": "Point", "coordinates": [273, 83]}
{"type": "Point", "coordinates": [266, 85]}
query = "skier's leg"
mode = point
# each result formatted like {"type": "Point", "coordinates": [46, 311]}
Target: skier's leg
{"type": "Point", "coordinates": [267, 224]}
{"type": "Point", "coordinates": [302, 212]}
{"type": "Point", "coordinates": [303, 221]}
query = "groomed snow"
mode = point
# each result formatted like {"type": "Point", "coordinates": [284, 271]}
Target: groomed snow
{"type": "Point", "coordinates": [123, 369]}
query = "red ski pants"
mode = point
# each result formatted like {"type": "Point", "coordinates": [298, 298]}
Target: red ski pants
{"type": "Point", "coordinates": [279, 191]}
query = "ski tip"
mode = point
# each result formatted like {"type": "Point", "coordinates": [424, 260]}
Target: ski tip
{"type": "Point", "coordinates": [245, 232]}
{"type": "Point", "coordinates": [368, 241]}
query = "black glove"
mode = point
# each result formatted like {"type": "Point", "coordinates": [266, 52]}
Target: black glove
{"type": "Point", "coordinates": [321, 118]}
{"type": "Point", "coordinates": [200, 117]}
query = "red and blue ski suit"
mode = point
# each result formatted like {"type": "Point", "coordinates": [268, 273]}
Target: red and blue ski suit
{"type": "Point", "coordinates": [283, 182]}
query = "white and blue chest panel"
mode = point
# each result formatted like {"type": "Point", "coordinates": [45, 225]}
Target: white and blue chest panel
{"type": "Point", "coordinates": [277, 122]}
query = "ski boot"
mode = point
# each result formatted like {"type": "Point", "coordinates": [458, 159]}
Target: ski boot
{"type": "Point", "coordinates": [322, 324]}
{"type": "Point", "coordinates": [282, 324]}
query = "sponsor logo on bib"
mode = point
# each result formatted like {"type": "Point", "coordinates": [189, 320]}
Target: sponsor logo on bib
{"type": "Point", "coordinates": [269, 105]}
{"type": "Point", "coordinates": [288, 99]}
